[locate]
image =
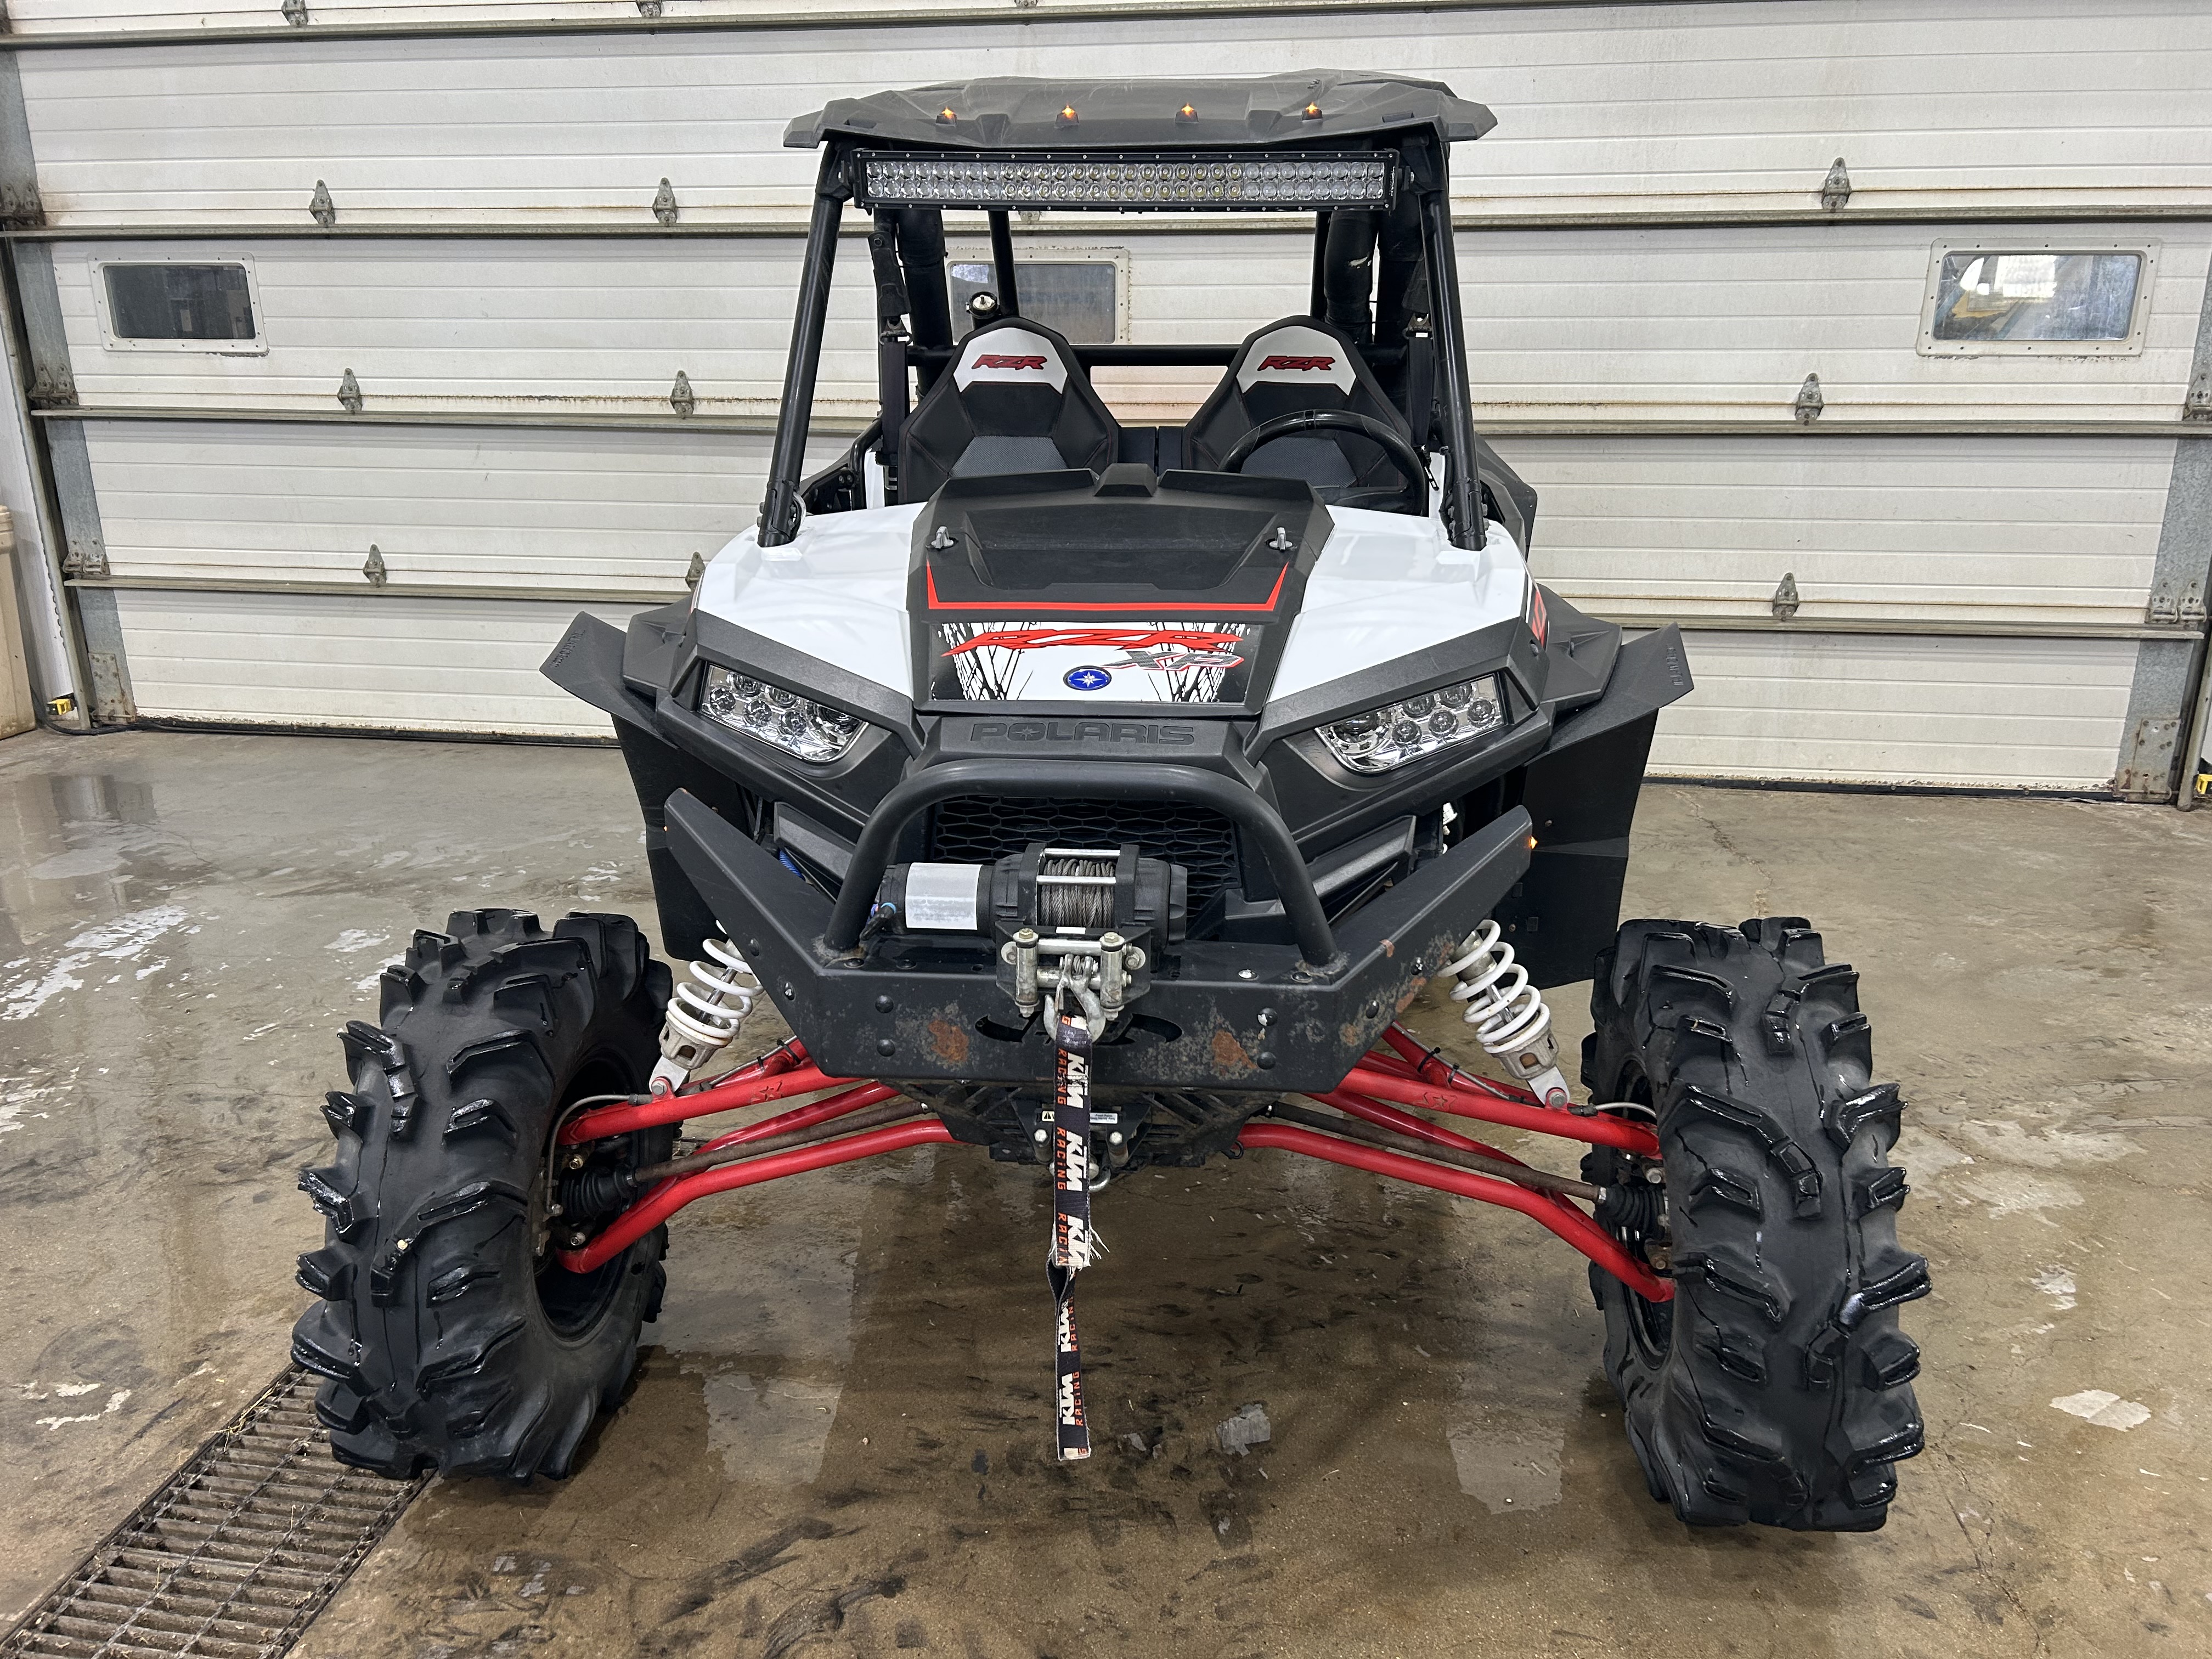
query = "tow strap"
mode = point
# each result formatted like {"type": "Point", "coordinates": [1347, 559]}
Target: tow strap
{"type": "Point", "coordinates": [1073, 1244]}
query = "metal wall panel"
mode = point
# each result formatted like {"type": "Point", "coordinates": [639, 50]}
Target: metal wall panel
{"type": "Point", "coordinates": [1726, 107]}
{"type": "Point", "coordinates": [380, 662]}
{"type": "Point", "coordinates": [2049, 530]}
{"type": "Point", "coordinates": [1607, 325]}
{"type": "Point", "coordinates": [2003, 714]}
{"type": "Point", "coordinates": [587, 512]}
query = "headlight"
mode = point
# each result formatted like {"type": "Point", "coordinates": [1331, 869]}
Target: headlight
{"type": "Point", "coordinates": [798, 725]}
{"type": "Point", "coordinates": [1397, 732]}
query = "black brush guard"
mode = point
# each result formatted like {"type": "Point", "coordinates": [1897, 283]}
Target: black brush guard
{"type": "Point", "coordinates": [1289, 1019]}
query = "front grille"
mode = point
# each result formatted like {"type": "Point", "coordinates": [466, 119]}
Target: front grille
{"type": "Point", "coordinates": [980, 830]}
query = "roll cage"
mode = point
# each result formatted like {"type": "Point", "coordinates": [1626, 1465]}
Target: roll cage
{"type": "Point", "coordinates": [1384, 268]}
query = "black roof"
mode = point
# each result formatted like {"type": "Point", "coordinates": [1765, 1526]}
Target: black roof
{"type": "Point", "coordinates": [1015, 112]}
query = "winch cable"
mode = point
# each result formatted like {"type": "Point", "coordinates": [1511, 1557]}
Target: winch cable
{"type": "Point", "coordinates": [1072, 1243]}
{"type": "Point", "coordinates": [1075, 888]}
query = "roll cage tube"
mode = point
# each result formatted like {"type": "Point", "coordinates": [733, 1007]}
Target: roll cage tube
{"type": "Point", "coordinates": [1449, 328]}
{"type": "Point", "coordinates": [1426, 175]}
{"type": "Point", "coordinates": [781, 511]}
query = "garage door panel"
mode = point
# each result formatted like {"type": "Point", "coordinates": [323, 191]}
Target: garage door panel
{"type": "Point", "coordinates": [1619, 325]}
{"type": "Point", "coordinates": [2024, 529]}
{"type": "Point", "coordinates": [1732, 106]}
{"type": "Point", "coordinates": [1710, 324]}
{"type": "Point", "coordinates": [378, 662]}
{"type": "Point", "coordinates": [512, 327]}
{"type": "Point", "coordinates": [1994, 712]}
{"type": "Point", "coordinates": [35, 17]}
{"type": "Point", "coordinates": [591, 510]}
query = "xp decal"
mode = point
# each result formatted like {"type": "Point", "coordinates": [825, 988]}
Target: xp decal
{"type": "Point", "coordinates": [1152, 662]}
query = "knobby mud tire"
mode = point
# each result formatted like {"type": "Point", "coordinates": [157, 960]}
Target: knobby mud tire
{"type": "Point", "coordinates": [445, 1334]}
{"type": "Point", "coordinates": [1776, 1387]}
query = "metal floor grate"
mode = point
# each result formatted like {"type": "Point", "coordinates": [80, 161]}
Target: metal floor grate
{"type": "Point", "coordinates": [235, 1555]}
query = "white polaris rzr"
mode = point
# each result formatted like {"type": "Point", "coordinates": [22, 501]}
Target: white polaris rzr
{"type": "Point", "coordinates": [1086, 792]}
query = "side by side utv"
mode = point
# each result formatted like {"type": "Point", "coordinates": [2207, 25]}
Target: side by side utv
{"type": "Point", "coordinates": [1096, 795]}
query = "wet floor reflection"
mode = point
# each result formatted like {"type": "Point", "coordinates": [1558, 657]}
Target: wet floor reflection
{"type": "Point", "coordinates": [184, 923]}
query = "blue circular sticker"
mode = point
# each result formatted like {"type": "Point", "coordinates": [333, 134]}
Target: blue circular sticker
{"type": "Point", "coordinates": [1086, 678]}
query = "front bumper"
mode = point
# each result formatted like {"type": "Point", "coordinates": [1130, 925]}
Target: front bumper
{"type": "Point", "coordinates": [1218, 1015]}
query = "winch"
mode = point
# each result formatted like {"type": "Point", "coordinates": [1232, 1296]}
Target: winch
{"type": "Point", "coordinates": [1091, 920]}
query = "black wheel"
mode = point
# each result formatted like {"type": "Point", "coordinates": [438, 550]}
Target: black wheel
{"type": "Point", "coordinates": [1775, 1387]}
{"type": "Point", "coordinates": [447, 1332]}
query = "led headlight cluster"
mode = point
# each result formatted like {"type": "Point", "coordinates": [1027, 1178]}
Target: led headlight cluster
{"type": "Point", "coordinates": [1417, 726]}
{"type": "Point", "coordinates": [1229, 182]}
{"type": "Point", "coordinates": [798, 725]}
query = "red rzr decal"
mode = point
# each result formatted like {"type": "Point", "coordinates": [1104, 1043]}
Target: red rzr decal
{"type": "Point", "coordinates": [1280, 361]}
{"type": "Point", "coordinates": [1122, 639]}
{"type": "Point", "coordinates": [999, 360]}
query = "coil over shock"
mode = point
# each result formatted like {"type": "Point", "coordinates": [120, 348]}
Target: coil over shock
{"type": "Point", "coordinates": [704, 1013]}
{"type": "Point", "coordinates": [1508, 1013]}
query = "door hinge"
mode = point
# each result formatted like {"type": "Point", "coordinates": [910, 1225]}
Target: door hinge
{"type": "Point", "coordinates": [52, 388]}
{"type": "Point", "coordinates": [2198, 405]}
{"type": "Point", "coordinates": [295, 13]}
{"type": "Point", "coordinates": [2164, 610]}
{"type": "Point", "coordinates": [1785, 596]}
{"type": "Point", "coordinates": [372, 566]}
{"type": "Point", "coordinates": [648, 7]}
{"type": "Point", "coordinates": [664, 204]}
{"type": "Point", "coordinates": [1836, 188]}
{"type": "Point", "coordinates": [324, 211]}
{"type": "Point", "coordinates": [680, 395]}
{"type": "Point", "coordinates": [349, 392]}
{"type": "Point", "coordinates": [1810, 402]}
{"type": "Point", "coordinates": [697, 570]}
{"type": "Point", "coordinates": [21, 206]}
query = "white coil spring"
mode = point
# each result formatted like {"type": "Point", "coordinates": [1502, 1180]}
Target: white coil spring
{"type": "Point", "coordinates": [1508, 1013]}
{"type": "Point", "coordinates": [702, 1017]}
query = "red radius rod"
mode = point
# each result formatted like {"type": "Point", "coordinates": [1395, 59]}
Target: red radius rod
{"type": "Point", "coordinates": [1414, 1077]}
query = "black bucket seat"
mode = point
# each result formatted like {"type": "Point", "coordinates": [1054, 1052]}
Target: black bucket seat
{"type": "Point", "coordinates": [1297, 364]}
{"type": "Point", "coordinates": [1015, 400]}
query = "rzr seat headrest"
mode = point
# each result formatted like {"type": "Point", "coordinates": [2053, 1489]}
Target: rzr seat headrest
{"type": "Point", "coordinates": [1297, 364]}
{"type": "Point", "coordinates": [1014, 400]}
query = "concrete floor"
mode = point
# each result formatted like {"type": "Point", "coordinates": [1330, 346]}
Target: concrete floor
{"type": "Point", "coordinates": [841, 1442]}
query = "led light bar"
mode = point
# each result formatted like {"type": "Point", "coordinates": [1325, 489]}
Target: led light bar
{"type": "Point", "coordinates": [1209, 182]}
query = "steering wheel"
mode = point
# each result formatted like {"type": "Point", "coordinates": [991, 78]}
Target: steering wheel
{"type": "Point", "coordinates": [1412, 497]}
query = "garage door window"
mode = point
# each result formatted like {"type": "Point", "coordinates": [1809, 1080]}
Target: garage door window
{"type": "Point", "coordinates": [1078, 298]}
{"type": "Point", "coordinates": [173, 306]}
{"type": "Point", "coordinates": [2059, 300]}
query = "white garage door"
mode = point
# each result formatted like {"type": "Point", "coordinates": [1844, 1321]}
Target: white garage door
{"type": "Point", "coordinates": [1992, 576]}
